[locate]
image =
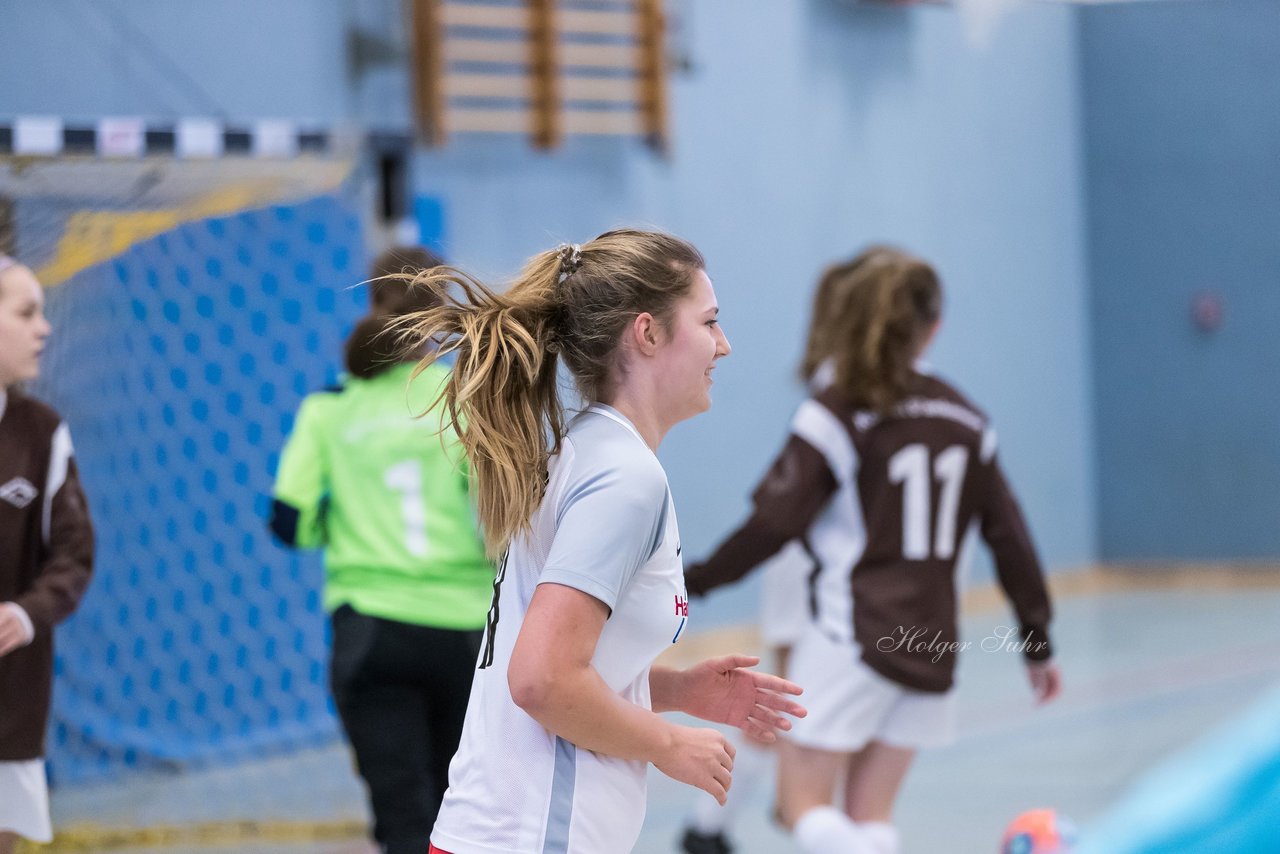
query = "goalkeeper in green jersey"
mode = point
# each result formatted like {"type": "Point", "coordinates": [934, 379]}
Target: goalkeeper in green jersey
{"type": "Point", "coordinates": [407, 584]}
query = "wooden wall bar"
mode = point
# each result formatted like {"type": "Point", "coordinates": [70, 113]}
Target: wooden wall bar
{"type": "Point", "coordinates": [540, 68]}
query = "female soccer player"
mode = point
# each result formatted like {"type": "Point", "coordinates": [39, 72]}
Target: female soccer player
{"type": "Point", "coordinates": [46, 555]}
{"type": "Point", "coordinates": [883, 473]}
{"type": "Point", "coordinates": [406, 579]}
{"type": "Point", "coordinates": [784, 589]}
{"type": "Point", "coordinates": [561, 720]}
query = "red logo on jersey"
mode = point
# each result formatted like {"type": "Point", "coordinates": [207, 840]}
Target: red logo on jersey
{"type": "Point", "coordinates": [682, 607]}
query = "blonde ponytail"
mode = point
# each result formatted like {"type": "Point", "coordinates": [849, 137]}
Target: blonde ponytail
{"type": "Point", "coordinates": [502, 396]}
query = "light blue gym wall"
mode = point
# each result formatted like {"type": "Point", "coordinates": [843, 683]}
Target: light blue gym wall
{"type": "Point", "coordinates": [1183, 141]}
{"type": "Point", "coordinates": [806, 129]}
{"type": "Point", "coordinates": [163, 59]}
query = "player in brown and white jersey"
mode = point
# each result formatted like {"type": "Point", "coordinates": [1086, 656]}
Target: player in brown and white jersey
{"type": "Point", "coordinates": [46, 552]}
{"type": "Point", "coordinates": [784, 588]}
{"type": "Point", "coordinates": [883, 473]}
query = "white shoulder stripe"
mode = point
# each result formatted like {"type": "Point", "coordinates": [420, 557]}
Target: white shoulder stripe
{"type": "Point", "coordinates": [819, 426]}
{"type": "Point", "coordinates": [59, 459]}
{"type": "Point", "coordinates": [988, 444]}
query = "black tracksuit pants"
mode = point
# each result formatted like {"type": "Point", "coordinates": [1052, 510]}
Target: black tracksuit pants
{"type": "Point", "coordinates": [401, 692]}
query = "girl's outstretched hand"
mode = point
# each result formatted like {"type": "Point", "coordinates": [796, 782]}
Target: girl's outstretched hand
{"type": "Point", "coordinates": [1046, 680]}
{"type": "Point", "coordinates": [724, 691]}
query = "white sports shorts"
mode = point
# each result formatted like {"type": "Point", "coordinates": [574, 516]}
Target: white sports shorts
{"type": "Point", "coordinates": [24, 800]}
{"type": "Point", "coordinates": [784, 596]}
{"type": "Point", "coordinates": [850, 705]}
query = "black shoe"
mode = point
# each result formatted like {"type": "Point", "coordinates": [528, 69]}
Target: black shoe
{"type": "Point", "coordinates": [704, 843]}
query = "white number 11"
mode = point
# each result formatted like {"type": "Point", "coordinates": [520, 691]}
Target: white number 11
{"type": "Point", "coordinates": [910, 467]}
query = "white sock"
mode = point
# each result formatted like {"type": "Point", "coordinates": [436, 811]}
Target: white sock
{"type": "Point", "coordinates": [881, 836]}
{"type": "Point", "coordinates": [826, 830]}
{"type": "Point", "coordinates": [751, 766]}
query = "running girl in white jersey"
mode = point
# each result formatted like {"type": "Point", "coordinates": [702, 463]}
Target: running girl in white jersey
{"type": "Point", "coordinates": [561, 719]}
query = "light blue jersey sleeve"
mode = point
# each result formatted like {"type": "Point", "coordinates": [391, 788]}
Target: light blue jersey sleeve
{"type": "Point", "coordinates": [611, 519]}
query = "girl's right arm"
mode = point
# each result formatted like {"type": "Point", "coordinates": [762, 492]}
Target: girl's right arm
{"type": "Point", "coordinates": [552, 679]}
{"type": "Point", "coordinates": [789, 498]}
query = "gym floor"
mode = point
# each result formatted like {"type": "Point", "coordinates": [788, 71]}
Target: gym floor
{"type": "Point", "coordinates": [1151, 661]}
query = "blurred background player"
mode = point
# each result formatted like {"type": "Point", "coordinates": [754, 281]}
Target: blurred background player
{"type": "Point", "coordinates": [46, 556]}
{"type": "Point", "coordinates": [784, 590]}
{"type": "Point", "coordinates": [407, 584]}
{"type": "Point", "coordinates": [390, 280]}
{"type": "Point", "coordinates": [883, 473]}
{"type": "Point", "coordinates": [561, 726]}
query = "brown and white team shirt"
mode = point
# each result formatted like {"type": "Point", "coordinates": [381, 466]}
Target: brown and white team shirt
{"type": "Point", "coordinates": [46, 554]}
{"type": "Point", "coordinates": [882, 504]}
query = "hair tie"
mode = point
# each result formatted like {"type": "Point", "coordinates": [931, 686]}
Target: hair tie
{"type": "Point", "coordinates": [570, 259]}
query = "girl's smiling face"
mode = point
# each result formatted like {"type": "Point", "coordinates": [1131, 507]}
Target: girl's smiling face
{"type": "Point", "coordinates": [694, 343]}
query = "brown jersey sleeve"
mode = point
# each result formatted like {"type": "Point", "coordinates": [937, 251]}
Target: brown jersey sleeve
{"type": "Point", "coordinates": [793, 492]}
{"type": "Point", "coordinates": [1017, 566]}
{"type": "Point", "coordinates": [67, 559]}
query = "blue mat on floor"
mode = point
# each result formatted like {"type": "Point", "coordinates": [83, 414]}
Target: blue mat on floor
{"type": "Point", "coordinates": [1220, 795]}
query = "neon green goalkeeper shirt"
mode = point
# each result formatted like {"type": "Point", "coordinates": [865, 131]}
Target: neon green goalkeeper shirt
{"type": "Point", "coordinates": [386, 496]}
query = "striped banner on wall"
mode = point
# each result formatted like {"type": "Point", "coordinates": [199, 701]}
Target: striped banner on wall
{"type": "Point", "coordinates": [122, 136]}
